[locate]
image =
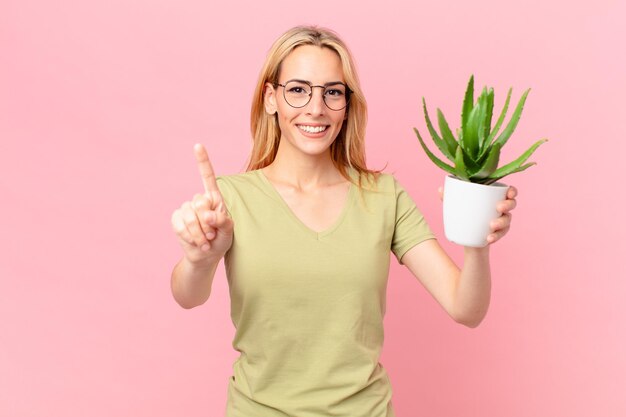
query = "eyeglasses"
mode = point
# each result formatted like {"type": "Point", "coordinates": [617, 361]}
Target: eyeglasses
{"type": "Point", "coordinates": [298, 93]}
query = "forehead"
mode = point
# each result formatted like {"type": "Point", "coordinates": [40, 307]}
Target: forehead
{"type": "Point", "coordinates": [312, 63]}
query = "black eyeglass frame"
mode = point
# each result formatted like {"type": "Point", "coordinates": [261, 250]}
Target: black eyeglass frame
{"type": "Point", "coordinates": [325, 86]}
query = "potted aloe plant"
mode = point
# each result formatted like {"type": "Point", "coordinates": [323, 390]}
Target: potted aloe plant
{"type": "Point", "coordinates": [471, 191]}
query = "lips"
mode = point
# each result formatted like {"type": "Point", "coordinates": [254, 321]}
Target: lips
{"type": "Point", "coordinates": [313, 128]}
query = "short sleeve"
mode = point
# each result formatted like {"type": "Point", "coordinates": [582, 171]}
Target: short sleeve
{"type": "Point", "coordinates": [226, 190]}
{"type": "Point", "coordinates": [410, 225]}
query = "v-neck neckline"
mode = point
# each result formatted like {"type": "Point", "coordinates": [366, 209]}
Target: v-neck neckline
{"type": "Point", "coordinates": [297, 220]}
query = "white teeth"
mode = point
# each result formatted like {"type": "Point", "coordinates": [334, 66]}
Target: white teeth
{"type": "Point", "coordinates": [313, 129]}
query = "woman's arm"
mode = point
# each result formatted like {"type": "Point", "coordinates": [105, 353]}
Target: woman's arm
{"type": "Point", "coordinates": [191, 283]}
{"type": "Point", "coordinates": [205, 233]}
{"type": "Point", "coordinates": [463, 293]}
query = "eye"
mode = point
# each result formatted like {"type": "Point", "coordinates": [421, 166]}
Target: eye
{"type": "Point", "coordinates": [297, 90]}
{"type": "Point", "coordinates": [334, 92]}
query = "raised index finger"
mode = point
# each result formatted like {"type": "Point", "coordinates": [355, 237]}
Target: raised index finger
{"type": "Point", "coordinates": [206, 170]}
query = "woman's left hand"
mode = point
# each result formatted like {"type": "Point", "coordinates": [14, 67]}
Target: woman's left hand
{"type": "Point", "coordinates": [501, 225]}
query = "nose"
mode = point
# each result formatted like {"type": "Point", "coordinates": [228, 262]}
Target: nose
{"type": "Point", "coordinates": [316, 105]}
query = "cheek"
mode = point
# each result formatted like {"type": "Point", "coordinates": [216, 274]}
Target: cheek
{"type": "Point", "coordinates": [283, 120]}
{"type": "Point", "coordinates": [285, 112]}
{"type": "Point", "coordinates": [280, 115]}
{"type": "Point", "coordinates": [341, 119]}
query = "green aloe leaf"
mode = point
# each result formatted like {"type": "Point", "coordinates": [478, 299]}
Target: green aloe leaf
{"type": "Point", "coordinates": [488, 115]}
{"type": "Point", "coordinates": [506, 133]}
{"type": "Point", "coordinates": [432, 156]}
{"type": "Point", "coordinates": [514, 166]}
{"type": "Point", "coordinates": [499, 122]}
{"type": "Point", "coordinates": [482, 122]}
{"type": "Point", "coordinates": [468, 103]}
{"type": "Point", "coordinates": [492, 178]}
{"type": "Point", "coordinates": [470, 133]}
{"type": "Point", "coordinates": [483, 156]}
{"type": "Point", "coordinates": [470, 165]}
{"type": "Point", "coordinates": [461, 170]}
{"type": "Point", "coordinates": [448, 137]}
{"type": "Point", "coordinates": [443, 146]}
{"type": "Point", "coordinates": [490, 164]}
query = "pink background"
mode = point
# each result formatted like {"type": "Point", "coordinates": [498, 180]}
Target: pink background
{"type": "Point", "coordinates": [102, 101]}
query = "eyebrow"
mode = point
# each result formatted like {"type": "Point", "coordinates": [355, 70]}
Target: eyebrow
{"type": "Point", "coordinates": [310, 83]}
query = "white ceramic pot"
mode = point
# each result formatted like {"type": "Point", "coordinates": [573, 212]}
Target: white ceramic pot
{"type": "Point", "coordinates": [468, 209]}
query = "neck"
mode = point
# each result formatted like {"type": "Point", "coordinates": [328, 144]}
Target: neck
{"type": "Point", "coordinates": [303, 171]}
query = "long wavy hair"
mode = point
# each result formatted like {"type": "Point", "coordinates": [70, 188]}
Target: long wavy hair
{"type": "Point", "coordinates": [348, 149]}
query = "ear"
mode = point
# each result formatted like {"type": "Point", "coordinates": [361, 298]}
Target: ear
{"type": "Point", "coordinates": [269, 99]}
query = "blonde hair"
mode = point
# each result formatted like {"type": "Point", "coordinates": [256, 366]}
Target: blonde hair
{"type": "Point", "coordinates": [348, 149]}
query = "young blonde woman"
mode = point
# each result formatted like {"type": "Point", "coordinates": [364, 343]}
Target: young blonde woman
{"type": "Point", "coordinates": [306, 234]}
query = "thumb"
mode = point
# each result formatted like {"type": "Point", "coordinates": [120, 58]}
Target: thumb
{"type": "Point", "coordinates": [221, 208]}
{"type": "Point", "coordinates": [223, 222]}
{"type": "Point", "coordinates": [222, 219]}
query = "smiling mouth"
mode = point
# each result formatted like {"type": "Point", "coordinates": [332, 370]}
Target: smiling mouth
{"type": "Point", "coordinates": [312, 129]}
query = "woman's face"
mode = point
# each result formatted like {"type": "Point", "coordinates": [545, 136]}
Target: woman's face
{"type": "Point", "coordinates": [313, 128]}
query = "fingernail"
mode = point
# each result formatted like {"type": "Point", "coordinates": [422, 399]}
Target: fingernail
{"type": "Point", "coordinates": [205, 247]}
